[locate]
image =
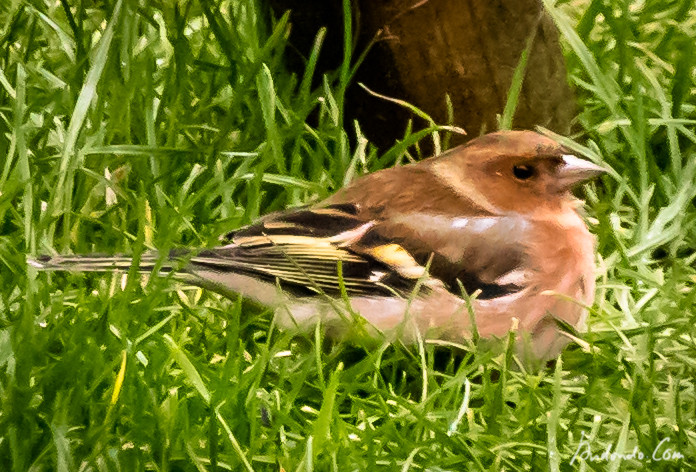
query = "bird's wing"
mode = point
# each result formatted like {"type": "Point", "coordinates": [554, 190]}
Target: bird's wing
{"type": "Point", "coordinates": [486, 253]}
{"type": "Point", "coordinates": [305, 249]}
{"type": "Point", "coordinates": [302, 250]}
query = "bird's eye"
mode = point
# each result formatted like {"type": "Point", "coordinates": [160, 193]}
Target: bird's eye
{"type": "Point", "coordinates": [524, 172]}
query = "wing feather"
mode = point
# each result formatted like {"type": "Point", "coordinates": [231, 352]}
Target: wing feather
{"type": "Point", "coordinates": [303, 248]}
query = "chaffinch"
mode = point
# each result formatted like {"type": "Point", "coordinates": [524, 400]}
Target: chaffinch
{"type": "Point", "coordinates": [494, 218]}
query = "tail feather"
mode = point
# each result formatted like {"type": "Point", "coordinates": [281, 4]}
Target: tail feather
{"type": "Point", "coordinates": [181, 263]}
{"type": "Point", "coordinates": [96, 263]}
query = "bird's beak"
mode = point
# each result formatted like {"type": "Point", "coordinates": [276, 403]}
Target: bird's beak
{"type": "Point", "coordinates": [574, 170]}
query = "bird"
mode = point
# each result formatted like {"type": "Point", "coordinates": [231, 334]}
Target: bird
{"type": "Point", "coordinates": [484, 238]}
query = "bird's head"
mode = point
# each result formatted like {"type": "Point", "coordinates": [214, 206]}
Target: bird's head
{"type": "Point", "coordinates": [519, 171]}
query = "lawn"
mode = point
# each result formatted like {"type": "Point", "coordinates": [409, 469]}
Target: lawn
{"type": "Point", "coordinates": [127, 125]}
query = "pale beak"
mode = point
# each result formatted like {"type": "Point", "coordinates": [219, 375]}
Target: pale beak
{"type": "Point", "coordinates": [574, 171]}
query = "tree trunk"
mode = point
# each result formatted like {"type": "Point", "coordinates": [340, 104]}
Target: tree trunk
{"type": "Point", "coordinates": [427, 49]}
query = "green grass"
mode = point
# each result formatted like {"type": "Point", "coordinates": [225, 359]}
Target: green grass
{"type": "Point", "coordinates": [127, 125]}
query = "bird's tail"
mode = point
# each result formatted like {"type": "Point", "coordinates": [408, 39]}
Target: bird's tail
{"type": "Point", "coordinates": [177, 262]}
{"type": "Point", "coordinates": [98, 263]}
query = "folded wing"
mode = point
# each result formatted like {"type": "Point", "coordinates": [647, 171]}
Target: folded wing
{"type": "Point", "coordinates": [304, 250]}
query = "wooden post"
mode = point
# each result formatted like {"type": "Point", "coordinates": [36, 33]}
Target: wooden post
{"type": "Point", "coordinates": [426, 49]}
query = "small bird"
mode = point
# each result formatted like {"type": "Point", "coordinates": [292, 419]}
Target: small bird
{"type": "Point", "coordinates": [405, 247]}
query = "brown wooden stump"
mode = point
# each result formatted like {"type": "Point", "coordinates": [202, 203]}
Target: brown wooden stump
{"type": "Point", "coordinates": [468, 49]}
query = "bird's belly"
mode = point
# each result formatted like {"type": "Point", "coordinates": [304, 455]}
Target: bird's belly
{"type": "Point", "coordinates": [437, 315]}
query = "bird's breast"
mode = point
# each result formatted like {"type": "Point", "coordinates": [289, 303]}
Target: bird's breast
{"type": "Point", "coordinates": [561, 254]}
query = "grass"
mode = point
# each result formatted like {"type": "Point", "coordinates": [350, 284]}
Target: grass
{"type": "Point", "coordinates": [129, 125]}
